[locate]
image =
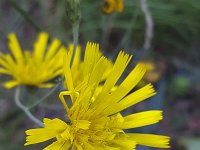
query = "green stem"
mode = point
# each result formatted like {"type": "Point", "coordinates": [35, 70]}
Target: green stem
{"type": "Point", "coordinates": [126, 38]}
{"type": "Point", "coordinates": [24, 14]}
{"type": "Point", "coordinates": [25, 109]}
{"type": "Point", "coordinates": [149, 25]}
{"type": "Point", "coordinates": [45, 97]}
{"type": "Point", "coordinates": [107, 25]}
{"type": "Point", "coordinates": [75, 32]}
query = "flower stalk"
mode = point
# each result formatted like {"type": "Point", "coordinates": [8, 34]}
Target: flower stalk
{"type": "Point", "coordinates": [75, 30]}
{"type": "Point", "coordinates": [25, 109]}
{"type": "Point", "coordinates": [73, 12]}
{"type": "Point", "coordinates": [46, 96]}
{"type": "Point", "coordinates": [149, 24]}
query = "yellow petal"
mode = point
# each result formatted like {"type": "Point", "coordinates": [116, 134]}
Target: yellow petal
{"type": "Point", "coordinates": [46, 85]}
{"type": "Point", "coordinates": [151, 140]}
{"type": "Point", "coordinates": [97, 72]}
{"type": "Point", "coordinates": [125, 143]}
{"type": "Point", "coordinates": [92, 55]}
{"type": "Point", "coordinates": [52, 128]}
{"type": "Point", "coordinates": [10, 63]}
{"type": "Point", "coordinates": [141, 119]}
{"type": "Point", "coordinates": [77, 56]}
{"type": "Point", "coordinates": [52, 49]}
{"type": "Point", "coordinates": [118, 68]}
{"type": "Point", "coordinates": [67, 71]}
{"type": "Point", "coordinates": [11, 84]}
{"type": "Point", "coordinates": [4, 71]}
{"type": "Point", "coordinates": [107, 71]}
{"type": "Point", "coordinates": [5, 64]}
{"type": "Point", "coordinates": [54, 124]}
{"type": "Point", "coordinates": [39, 135]}
{"type": "Point", "coordinates": [137, 96]}
{"type": "Point", "coordinates": [40, 46]}
{"type": "Point", "coordinates": [114, 75]}
{"type": "Point", "coordinates": [82, 124]}
{"type": "Point", "coordinates": [127, 85]}
{"type": "Point", "coordinates": [15, 48]}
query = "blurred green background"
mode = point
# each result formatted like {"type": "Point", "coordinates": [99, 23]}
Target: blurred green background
{"type": "Point", "coordinates": [172, 47]}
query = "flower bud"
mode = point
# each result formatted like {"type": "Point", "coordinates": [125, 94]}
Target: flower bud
{"type": "Point", "coordinates": [73, 10]}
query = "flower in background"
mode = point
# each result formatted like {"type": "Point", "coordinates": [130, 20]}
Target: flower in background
{"type": "Point", "coordinates": [154, 71]}
{"type": "Point", "coordinates": [95, 120]}
{"type": "Point", "coordinates": [32, 68]}
{"type": "Point", "coordinates": [111, 6]}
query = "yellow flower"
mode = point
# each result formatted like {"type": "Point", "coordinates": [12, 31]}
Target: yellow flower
{"type": "Point", "coordinates": [153, 72]}
{"type": "Point", "coordinates": [32, 68]}
{"type": "Point", "coordinates": [94, 120]}
{"type": "Point", "coordinates": [113, 6]}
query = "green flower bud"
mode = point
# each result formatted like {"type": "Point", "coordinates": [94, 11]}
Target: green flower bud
{"type": "Point", "coordinates": [73, 10]}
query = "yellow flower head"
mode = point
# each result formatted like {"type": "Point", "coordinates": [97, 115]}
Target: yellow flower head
{"type": "Point", "coordinates": [32, 68]}
{"type": "Point", "coordinates": [113, 6]}
{"type": "Point", "coordinates": [95, 121]}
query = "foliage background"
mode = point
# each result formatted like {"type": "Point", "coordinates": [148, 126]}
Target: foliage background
{"type": "Point", "coordinates": [175, 50]}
